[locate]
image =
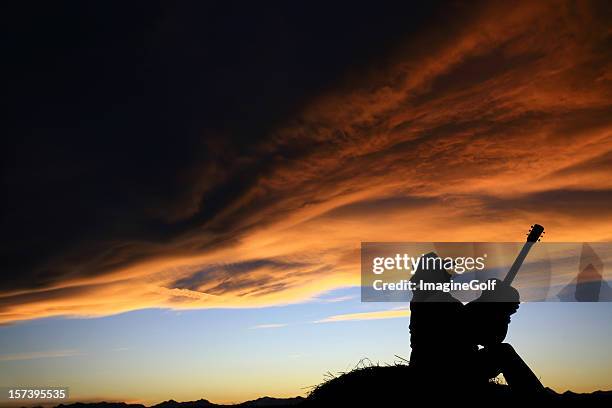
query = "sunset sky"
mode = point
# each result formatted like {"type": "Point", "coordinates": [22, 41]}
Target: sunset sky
{"type": "Point", "coordinates": [186, 187]}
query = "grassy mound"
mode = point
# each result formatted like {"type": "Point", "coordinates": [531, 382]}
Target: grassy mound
{"type": "Point", "coordinates": [360, 381]}
{"type": "Point", "coordinates": [394, 385]}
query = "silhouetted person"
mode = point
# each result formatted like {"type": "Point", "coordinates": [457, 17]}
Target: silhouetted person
{"type": "Point", "coordinates": [463, 344]}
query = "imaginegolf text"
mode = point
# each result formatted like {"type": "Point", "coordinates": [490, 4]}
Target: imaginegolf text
{"type": "Point", "coordinates": [405, 284]}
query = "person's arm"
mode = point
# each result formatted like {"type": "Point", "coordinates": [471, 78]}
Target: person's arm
{"type": "Point", "coordinates": [488, 316]}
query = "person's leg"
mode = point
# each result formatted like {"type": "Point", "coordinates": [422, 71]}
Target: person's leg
{"type": "Point", "coordinates": [517, 373]}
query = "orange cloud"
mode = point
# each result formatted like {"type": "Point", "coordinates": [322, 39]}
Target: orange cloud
{"type": "Point", "coordinates": [464, 137]}
{"type": "Point", "coordinates": [381, 314]}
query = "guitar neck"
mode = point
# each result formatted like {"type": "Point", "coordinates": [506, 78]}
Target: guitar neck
{"type": "Point", "coordinates": [517, 263]}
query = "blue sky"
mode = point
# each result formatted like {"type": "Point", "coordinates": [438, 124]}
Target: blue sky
{"type": "Point", "coordinates": [227, 355]}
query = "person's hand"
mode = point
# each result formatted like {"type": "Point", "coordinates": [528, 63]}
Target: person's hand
{"type": "Point", "coordinates": [505, 293]}
{"type": "Point", "coordinates": [506, 297]}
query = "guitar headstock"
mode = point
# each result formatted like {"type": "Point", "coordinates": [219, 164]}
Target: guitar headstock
{"type": "Point", "coordinates": [535, 233]}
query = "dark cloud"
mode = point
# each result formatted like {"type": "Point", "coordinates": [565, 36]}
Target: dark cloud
{"type": "Point", "coordinates": [370, 207]}
{"type": "Point", "coordinates": [564, 203]}
{"type": "Point", "coordinates": [232, 276]}
{"type": "Point", "coordinates": [601, 163]}
{"type": "Point", "coordinates": [265, 141]}
{"type": "Point", "coordinates": [142, 122]}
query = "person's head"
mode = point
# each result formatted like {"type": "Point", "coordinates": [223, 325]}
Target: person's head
{"type": "Point", "coordinates": [430, 270]}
